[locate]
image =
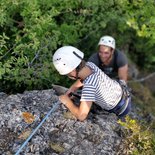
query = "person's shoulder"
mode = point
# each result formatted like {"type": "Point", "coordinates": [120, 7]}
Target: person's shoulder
{"type": "Point", "coordinates": [119, 53]}
{"type": "Point", "coordinates": [89, 63]}
{"type": "Point", "coordinates": [94, 58]}
{"type": "Point", "coordinates": [92, 65]}
{"type": "Point", "coordinates": [94, 55]}
{"type": "Point", "coordinates": [120, 57]}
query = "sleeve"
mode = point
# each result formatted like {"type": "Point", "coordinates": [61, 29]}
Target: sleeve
{"type": "Point", "coordinates": [121, 59]}
{"type": "Point", "coordinates": [88, 93]}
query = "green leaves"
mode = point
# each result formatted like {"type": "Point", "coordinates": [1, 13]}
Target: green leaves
{"type": "Point", "coordinates": [139, 139]}
{"type": "Point", "coordinates": [32, 30]}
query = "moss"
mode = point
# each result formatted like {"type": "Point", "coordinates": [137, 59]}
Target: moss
{"type": "Point", "coordinates": [57, 147]}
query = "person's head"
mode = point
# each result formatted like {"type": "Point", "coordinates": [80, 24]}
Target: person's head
{"type": "Point", "coordinates": [67, 59]}
{"type": "Point", "coordinates": [106, 48]}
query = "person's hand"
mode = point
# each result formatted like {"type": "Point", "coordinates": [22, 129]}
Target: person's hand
{"type": "Point", "coordinates": [123, 82]}
{"type": "Point", "coordinates": [64, 99]}
{"type": "Point", "coordinates": [69, 91]}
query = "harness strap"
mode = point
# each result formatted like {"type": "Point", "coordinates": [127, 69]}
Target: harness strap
{"type": "Point", "coordinates": [120, 108]}
{"type": "Point", "coordinates": [125, 101]}
{"type": "Point", "coordinates": [124, 107]}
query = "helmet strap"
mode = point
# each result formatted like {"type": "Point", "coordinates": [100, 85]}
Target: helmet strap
{"type": "Point", "coordinates": [77, 55]}
{"type": "Point", "coordinates": [77, 72]}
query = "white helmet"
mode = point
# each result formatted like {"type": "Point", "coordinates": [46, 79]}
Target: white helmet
{"type": "Point", "coordinates": [66, 59]}
{"type": "Point", "coordinates": [107, 41]}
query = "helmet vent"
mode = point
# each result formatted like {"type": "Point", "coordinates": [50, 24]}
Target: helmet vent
{"type": "Point", "coordinates": [107, 41]}
{"type": "Point", "coordinates": [57, 59]}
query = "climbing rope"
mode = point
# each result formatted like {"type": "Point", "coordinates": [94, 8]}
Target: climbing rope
{"type": "Point", "coordinates": [55, 107]}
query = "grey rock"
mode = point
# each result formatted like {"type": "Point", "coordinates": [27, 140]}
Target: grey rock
{"type": "Point", "coordinates": [60, 133]}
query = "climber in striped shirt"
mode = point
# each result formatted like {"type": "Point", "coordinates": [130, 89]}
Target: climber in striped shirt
{"type": "Point", "coordinates": [97, 87]}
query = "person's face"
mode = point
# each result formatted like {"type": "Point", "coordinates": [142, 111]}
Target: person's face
{"type": "Point", "coordinates": [72, 75]}
{"type": "Point", "coordinates": [105, 53]}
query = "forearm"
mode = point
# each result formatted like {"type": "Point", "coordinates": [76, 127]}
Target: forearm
{"type": "Point", "coordinates": [80, 112]}
{"type": "Point", "coordinates": [74, 87]}
{"type": "Point", "coordinates": [124, 78]}
{"type": "Point", "coordinates": [123, 73]}
{"type": "Point", "coordinates": [77, 84]}
{"type": "Point", "coordinates": [72, 107]}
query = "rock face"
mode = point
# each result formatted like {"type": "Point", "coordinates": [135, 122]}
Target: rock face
{"type": "Point", "coordinates": [149, 82]}
{"type": "Point", "coordinates": [61, 133]}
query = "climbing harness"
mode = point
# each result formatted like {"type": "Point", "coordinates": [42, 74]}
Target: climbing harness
{"type": "Point", "coordinates": [123, 107]}
{"type": "Point", "coordinates": [55, 107]}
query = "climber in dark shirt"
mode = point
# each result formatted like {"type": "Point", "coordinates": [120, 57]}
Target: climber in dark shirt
{"type": "Point", "coordinates": [110, 60]}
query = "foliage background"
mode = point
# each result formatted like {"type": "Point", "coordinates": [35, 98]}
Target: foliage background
{"type": "Point", "coordinates": [32, 30]}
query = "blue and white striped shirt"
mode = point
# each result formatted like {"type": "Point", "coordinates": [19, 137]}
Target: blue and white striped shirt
{"type": "Point", "coordinates": [101, 89]}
